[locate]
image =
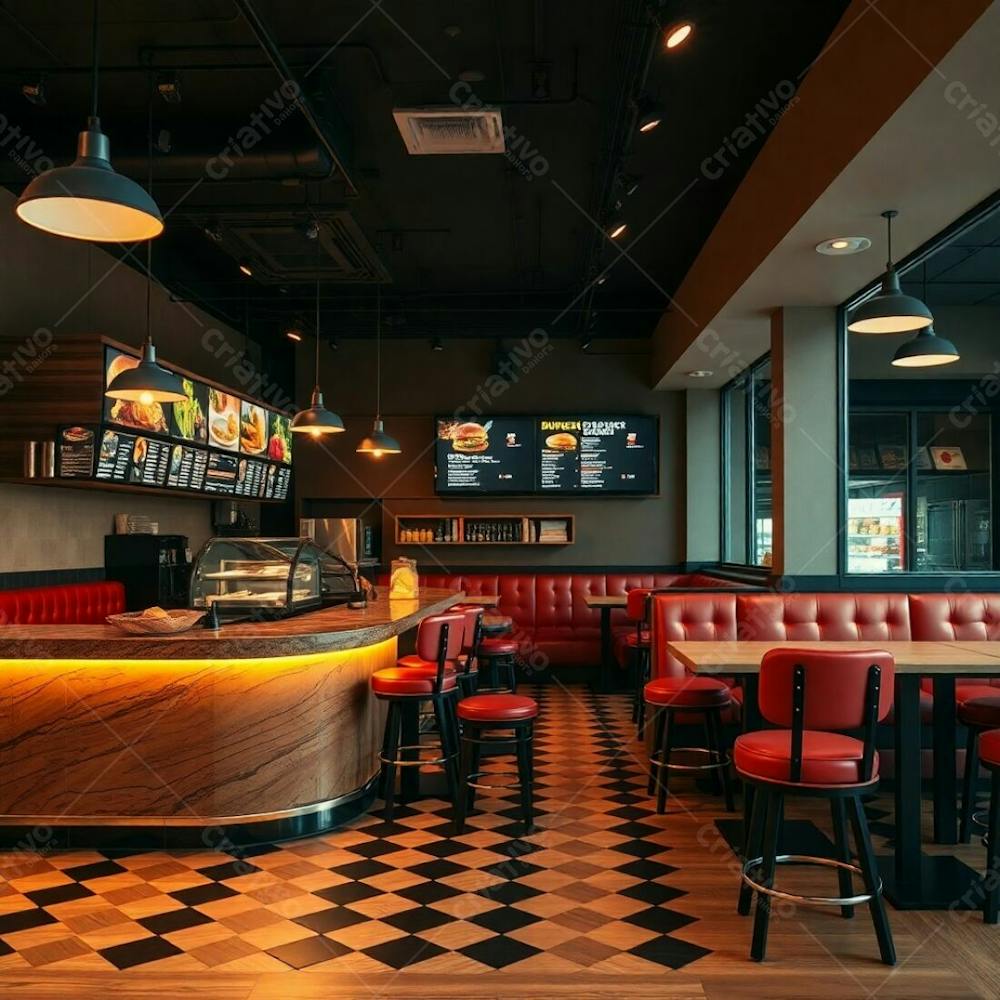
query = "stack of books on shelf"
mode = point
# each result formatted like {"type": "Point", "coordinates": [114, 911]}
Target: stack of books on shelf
{"type": "Point", "coordinates": [552, 531]}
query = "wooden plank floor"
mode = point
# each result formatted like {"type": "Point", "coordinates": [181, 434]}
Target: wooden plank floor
{"type": "Point", "coordinates": [605, 899]}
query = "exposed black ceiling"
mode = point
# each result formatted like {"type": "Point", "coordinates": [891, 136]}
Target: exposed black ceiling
{"type": "Point", "coordinates": [467, 244]}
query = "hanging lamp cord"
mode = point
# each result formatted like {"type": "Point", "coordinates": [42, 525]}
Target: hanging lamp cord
{"type": "Point", "coordinates": [888, 223]}
{"type": "Point", "coordinates": [95, 48]}
{"type": "Point", "coordinates": [378, 352]}
{"type": "Point", "coordinates": [149, 188]}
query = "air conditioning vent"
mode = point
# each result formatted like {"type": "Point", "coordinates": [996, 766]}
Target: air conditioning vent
{"type": "Point", "coordinates": [434, 131]}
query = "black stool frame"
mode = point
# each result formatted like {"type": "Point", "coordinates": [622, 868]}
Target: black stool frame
{"type": "Point", "coordinates": [476, 735]}
{"type": "Point", "coordinates": [643, 666]}
{"type": "Point", "coordinates": [404, 718]}
{"type": "Point", "coordinates": [760, 851]}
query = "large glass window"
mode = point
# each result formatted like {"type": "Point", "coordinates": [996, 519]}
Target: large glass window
{"type": "Point", "coordinates": [922, 468]}
{"type": "Point", "coordinates": [746, 451]}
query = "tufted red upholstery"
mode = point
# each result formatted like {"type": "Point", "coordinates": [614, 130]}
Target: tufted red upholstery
{"type": "Point", "coordinates": [66, 604]}
{"type": "Point", "coordinates": [690, 616]}
{"type": "Point", "coordinates": [815, 617]}
{"type": "Point", "coordinates": [958, 616]}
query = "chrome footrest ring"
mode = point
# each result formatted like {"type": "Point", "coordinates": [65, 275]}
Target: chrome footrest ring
{"type": "Point", "coordinates": [713, 764]}
{"type": "Point", "coordinates": [425, 762]}
{"type": "Point", "coordinates": [806, 859]}
{"type": "Point", "coordinates": [483, 787]}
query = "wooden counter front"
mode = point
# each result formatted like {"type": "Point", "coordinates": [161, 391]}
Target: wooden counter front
{"type": "Point", "coordinates": [255, 724]}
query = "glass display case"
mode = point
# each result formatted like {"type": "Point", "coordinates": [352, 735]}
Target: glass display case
{"type": "Point", "coordinates": [257, 578]}
{"type": "Point", "coordinates": [339, 580]}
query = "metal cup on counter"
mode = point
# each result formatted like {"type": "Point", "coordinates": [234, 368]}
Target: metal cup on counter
{"type": "Point", "coordinates": [32, 458]}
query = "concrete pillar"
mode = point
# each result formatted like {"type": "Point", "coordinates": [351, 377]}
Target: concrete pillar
{"type": "Point", "coordinates": [804, 440]}
{"type": "Point", "coordinates": [703, 490]}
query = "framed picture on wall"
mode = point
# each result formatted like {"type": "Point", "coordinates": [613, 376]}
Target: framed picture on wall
{"type": "Point", "coordinates": [892, 457]}
{"type": "Point", "coordinates": [924, 459]}
{"type": "Point", "coordinates": [868, 460]}
{"type": "Point", "coordinates": [948, 459]}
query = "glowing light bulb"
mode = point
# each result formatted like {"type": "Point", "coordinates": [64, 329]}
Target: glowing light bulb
{"type": "Point", "coordinates": [377, 453]}
{"type": "Point", "coordinates": [679, 34]}
{"type": "Point", "coordinates": [315, 432]}
{"type": "Point", "coordinates": [146, 398]}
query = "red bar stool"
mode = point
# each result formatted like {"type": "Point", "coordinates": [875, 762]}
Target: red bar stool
{"type": "Point", "coordinates": [494, 721]}
{"type": "Point", "coordinates": [428, 675]}
{"type": "Point", "coordinates": [637, 604]}
{"type": "Point", "coordinates": [704, 698]}
{"type": "Point", "coordinates": [814, 696]}
{"type": "Point", "coordinates": [497, 659]}
{"type": "Point", "coordinates": [989, 751]}
{"type": "Point", "coordinates": [977, 715]}
{"type": "Point", "coordinates": [496, 625]}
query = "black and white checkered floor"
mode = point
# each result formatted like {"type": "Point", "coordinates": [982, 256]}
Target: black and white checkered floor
{"type": "Point", "coordinates": [592, 888]}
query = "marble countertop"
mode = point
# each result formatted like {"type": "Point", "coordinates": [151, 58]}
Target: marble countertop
{"type": "Point", "coordinates": [329, 629]}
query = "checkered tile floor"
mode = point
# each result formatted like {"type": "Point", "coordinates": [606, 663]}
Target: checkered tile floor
{"type": "Point", "coordinates": [592, 888]}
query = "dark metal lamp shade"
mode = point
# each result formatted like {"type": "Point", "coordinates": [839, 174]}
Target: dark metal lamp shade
{"type": "Point", "coordinates": [378, 443]}
{"type": "Point", "coordinates": [926, 350]}
{"type": "Point", "coordinates": [148, 382]}
{"type": "Point", "coordinates": [317, 420]}
{"type": "Point", "coordinates": [890, 311]}
{"type": "Point", "coordinates": [87, 200]}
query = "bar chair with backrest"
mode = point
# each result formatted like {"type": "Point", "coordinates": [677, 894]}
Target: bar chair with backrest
{"type": "Point", "coordinates": [637, 607]}
{"type": "Point", "coordinates": [814, 697]}
{"type": "Point", "coordinates": [429, 675]}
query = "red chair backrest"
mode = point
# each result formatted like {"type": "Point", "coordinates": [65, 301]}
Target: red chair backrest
{"type": "Point", "coordinates": [637, 604]}
{"type": "Point", "coordinates": [429, 636]}
{"type": "Point", "coordinates": [836, 685]}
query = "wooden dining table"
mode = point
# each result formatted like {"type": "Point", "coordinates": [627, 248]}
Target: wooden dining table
{"type": "Point", "coordinates": [912, 880]}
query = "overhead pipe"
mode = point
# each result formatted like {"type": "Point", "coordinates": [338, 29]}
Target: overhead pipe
{"type": "Point", "coordinates": [273, 53]}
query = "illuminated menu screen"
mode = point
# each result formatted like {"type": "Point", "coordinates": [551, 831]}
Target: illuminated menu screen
{"type": "Point", "coordinates": [488, 456]}
{"type": "Point", "coordinates": [129, 458]}
{"type": "Point", "coordinates": [220, 476]}
{"type": "Point", "coordinates": [187, 468]}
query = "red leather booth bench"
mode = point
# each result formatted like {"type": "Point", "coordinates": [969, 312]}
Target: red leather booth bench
{"type": "Point", "coordinates": [64, 604]}
{"type": "Point", "coordinates": [552, 622]}
{"type": "Point", "coordinates": [832, 617]}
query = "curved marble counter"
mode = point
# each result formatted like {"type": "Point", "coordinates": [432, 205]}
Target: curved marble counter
{"type": "Point", "coordinates": [250, 733]}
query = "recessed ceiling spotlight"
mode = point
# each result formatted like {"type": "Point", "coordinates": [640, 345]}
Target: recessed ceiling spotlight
{"type": "Point", "coordinates": [700, 373]}
{"type": "Point", "coordinates": [294, 334]}
{"type": "Point", "coordinates": [842, 246]}
{"type": "Point", "coordinates": [246, 269]}
{"type": "Point", "coordinates": [650, 118]}
{"type": "Point", "coordinates": [678, 34]}
{"type": "Point", "coordinates": [437, 344]}
{"type": "Point", "coordinates": [616, 227]}
{"type": "Point", "coordinates": [34, 92]}
{"type": "Point", "coordinates": [214, 232]}
{"type": "Point", "coordinates": [600, 279]}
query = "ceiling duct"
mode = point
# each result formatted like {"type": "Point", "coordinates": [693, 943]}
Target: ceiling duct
{"type": "Point", "coordinates": [440, 130]}
{"type": "Point", "coordinates": [282, 255]}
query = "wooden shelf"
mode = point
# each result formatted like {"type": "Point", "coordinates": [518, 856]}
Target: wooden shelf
{"type": "Point", "coordinates": [528, 524]}
{"type": "Point", "coordinates": [135, 488]}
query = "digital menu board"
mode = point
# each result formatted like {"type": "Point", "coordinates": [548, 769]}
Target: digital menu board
{"type": "Point", "coordinates": [572, 455]}
{"type": "Point", "coordinates": [213, 441]}
{"type": "Point", "coordinates": [492, 456]}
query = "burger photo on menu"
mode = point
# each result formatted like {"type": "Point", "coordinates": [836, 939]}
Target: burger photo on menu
{"type": "Point", "coordinates": [223, 420]}
{"type": "Point", "coordinates": [561, 441]}
{"type": "Point", "coordinates": [253, 428]}
{"type": "Point", "coordinates": [129, 412]}
{"type": "Point", "coordinates": [469, 438]}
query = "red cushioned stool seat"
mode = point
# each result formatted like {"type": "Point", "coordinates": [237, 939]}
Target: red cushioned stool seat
{"type": "Point", "coordinates": [688, 691]}
{"type": "Point", "coordinates": [827, 758]}
{"type": "Point", "coordinates": [404, 680]}
{"type": "Point", "coordinates": [642, 639]}
{"type": "Point", "coordinates": [982, 712]}
{"type": "Point", "coordinates": [498, 647]}
{"type": "Point", "coordinates": [497, 708]}
{"type": "Point", "coordinates": [414, 662]}
{"type": "Point", "coordinates": [989, 748]}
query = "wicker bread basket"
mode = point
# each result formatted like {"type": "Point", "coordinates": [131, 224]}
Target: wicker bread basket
{"type": "Point", "coordinates": [136, 623]}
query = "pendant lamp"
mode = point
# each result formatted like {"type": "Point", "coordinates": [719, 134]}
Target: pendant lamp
{"type": "Point", "coordinates": [378, 443]}
{"type": "Point", "coordinates": [148, 382]}
{"type": "Point", "coordinates": [890, 311]}
{"type": "Point", "coordinates": [317, 420]}
{"type": "Point", "coordinates": [87, 200]}
{"type": "Point", "coordinates": [927, 349]}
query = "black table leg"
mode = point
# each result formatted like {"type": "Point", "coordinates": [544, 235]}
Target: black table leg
{"type": "Point", "coordinates": [912, 881]}
{"type": "Point", "coordinates": [604, 680]}
{"type": "Point", "coordinates": [945, 781]}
